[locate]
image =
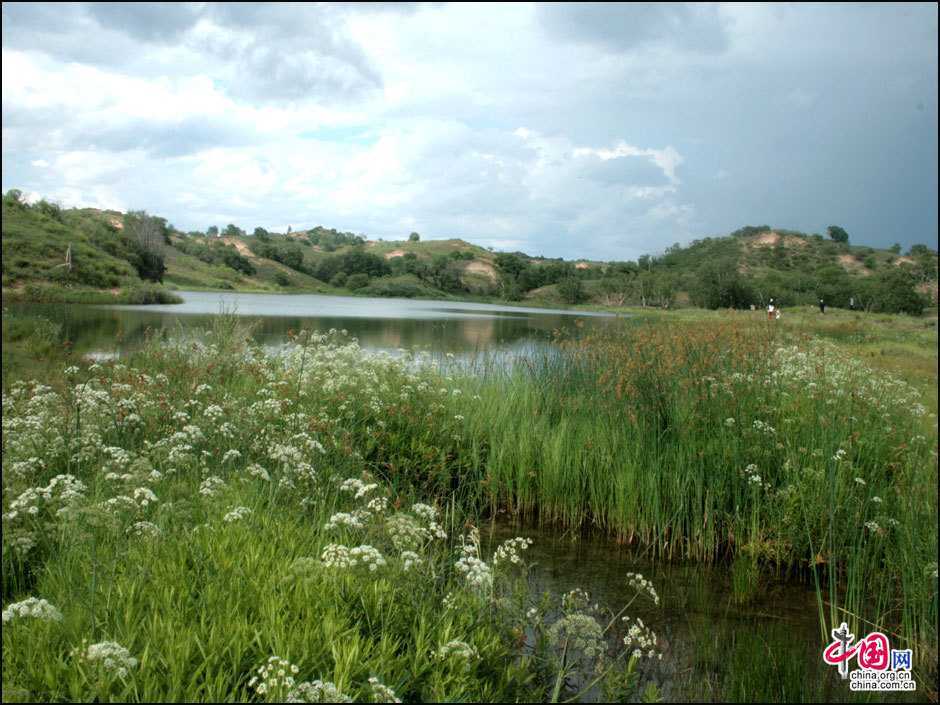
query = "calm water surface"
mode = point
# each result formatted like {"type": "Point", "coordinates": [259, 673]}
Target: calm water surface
{"type": "Point", "coordinates": [379, 323]}
{"type": "Point", "coordinates": [713, 647]}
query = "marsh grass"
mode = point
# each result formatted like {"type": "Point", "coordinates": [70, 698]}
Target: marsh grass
{"type": "Point", "coordinates": [732, 443]}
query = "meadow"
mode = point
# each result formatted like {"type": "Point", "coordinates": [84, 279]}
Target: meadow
{"type": "Point", "coordinates": [204, 520]}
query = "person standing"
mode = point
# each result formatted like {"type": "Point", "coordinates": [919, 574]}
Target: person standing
{"type": "Point", "coordinates": [822, 306]}
{"type": "Point", "coordinates": [771, 310]}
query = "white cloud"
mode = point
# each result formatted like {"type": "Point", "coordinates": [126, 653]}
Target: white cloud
{"type": "Point", "coordinates": [610, 136]}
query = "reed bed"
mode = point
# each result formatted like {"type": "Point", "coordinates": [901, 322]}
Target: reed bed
{"type": "Point", "coordinates": [205, 521]}
{"type": "Point", "coordinates": [728, 442]}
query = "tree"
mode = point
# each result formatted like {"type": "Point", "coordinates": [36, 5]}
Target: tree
{"type": "Point", "coordinates": [894, 292]}
{"type": "Point", "coordinates": [720, 285]}
{"type": "Point", "coordinates": [147, 235]}
{"type": "Point", "coordinates": [572, 290]}
{"type": "Point", "coordinates": [895, 248]}
{"type": "Point", "coordinates": [357, 281]}
{"type": "Point", "coordinates": [261, 234]}
{"type": "Point", "coordinates": [213, 231]}
{"type": "Point", "coordinates": [414, 237]}
{"type": "Point", "coordinates": [837, 234]}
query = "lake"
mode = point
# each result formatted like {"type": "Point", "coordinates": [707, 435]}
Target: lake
{"type": "Point", "coordinates": [457, 327]}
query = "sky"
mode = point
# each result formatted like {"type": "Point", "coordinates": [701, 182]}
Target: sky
{"type": "Point", "coordinates": [601, 131]}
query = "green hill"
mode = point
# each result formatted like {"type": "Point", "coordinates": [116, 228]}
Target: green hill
{"type": "Point", "coordinates": [54, 254]}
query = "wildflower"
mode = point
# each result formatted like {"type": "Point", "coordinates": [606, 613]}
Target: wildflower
{"type": "Point", "coordinates": [459, 649]}
{"type": "Point", "coordinates": [236, 514]}
{"type": "Point", "coordinates": [144, 529]}
{"type": "Point", "coordinates": [582, 634]}
{"type": "Point", "coordinates": [641, 637]}
{"type": "Point", "coordinates": [274, 676]}
{"type": "Point", "coordinates": [410, 559]}
{"type": "Point", "coordinates": [256, 470]}
{"type": "Point", "coordinates": [339, 556]}
{"type": "Point", "coordinates": [211, 486]}
{"type": "Point", "coordinates": [113, 658]}
{"type": "Point", "coordinates": [476, 571]}
{"type": "Point", "coordinates": [510, 551]}
{"type": "Point", "coordinates": [642, 585]}
{"type": "Point", "coordinates": [32, 607]}
{"type": "Point", "coordinates": [382, 693]}
{"type": "Point", "coordinates": [317, 692]}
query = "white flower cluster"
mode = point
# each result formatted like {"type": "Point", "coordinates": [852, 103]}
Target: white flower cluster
{"type": "Point", "coordinates": [511, 551]}
{"type": "Point", "coordinates": [317, 692]}
{"type": "Point", "coordinates": [470, 565]}
{"type": "Point", "coordinates": [352, 520]}
{"type": "Point", "coordinates": [273, 676]}
{"type": "Point", "coordinates": [382, 693]}
{"type": "Point", "coordinates": [144, 529]}
{"type": "Point", "coordinates": [410, 559]}
{"type": "Point", "coordinates": [642, 639]}
{"type": "Point", "coordinates": [211, 486]}
{"type": "Point", "coordinates": [32, 607]}
{"type": "Point", "coordinates": [458, 649]}
{"type": "Point", "coordinates": [408, 533]}
{"type": "Point", "coordinates": [581, 633]}
{"type": "Point", "coordinates": [62, 490]}
{"type": "Point", "coordinates": [357, 487]}
{"type": "Point", "coordinates": [642, 585]}
{"type": "Point", "coordinates": [113, 658]}
{"type": "Point", "coordinates": [236, 514]}
{"type": "Point", "coordinates": [339, 556]}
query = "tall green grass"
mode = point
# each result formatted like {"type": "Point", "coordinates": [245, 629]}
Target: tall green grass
{"type": "Point", "coordinates": [729, 441]}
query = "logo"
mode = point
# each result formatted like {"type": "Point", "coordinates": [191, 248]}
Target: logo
{"type": "Point", "coordinates": [879, 667]}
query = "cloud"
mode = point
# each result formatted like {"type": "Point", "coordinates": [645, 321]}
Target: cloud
{"type": "Point", "coordinates": [602, 131]}
{"type": "Point", "coordinates": [694, 27]}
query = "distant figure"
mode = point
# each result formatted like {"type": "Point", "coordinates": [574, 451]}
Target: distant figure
{"type": "Point", "coordinates": [753, 307]}
{"type": "Point", "coordinates": [852, 303]}
{"type": "Point", "coordinates": [822, 306]}
{"type": "Point", "coordinates": [771, 310]}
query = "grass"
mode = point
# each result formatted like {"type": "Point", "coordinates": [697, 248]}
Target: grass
{"type": "Point", "coordinates": [705, 438]}
{"type": "Point", "coordinates": [201, 507]}
{"type": "Point", "coordinates": [732, 439]}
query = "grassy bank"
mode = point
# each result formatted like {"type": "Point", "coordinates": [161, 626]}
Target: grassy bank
{"type": "Point", "coordinates": [44, 293]}
{"type": "Point", "coordinates": [203, 521]}
{"type": "Point", "coordinates": [734, 441]}
{"type": "Point", "coordinates": [207, 507]}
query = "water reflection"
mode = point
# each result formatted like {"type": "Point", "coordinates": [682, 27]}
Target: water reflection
{"type": "Point", "coordinates": [700, 626]}
{"type": "Point", "coordinates": [381, 324]}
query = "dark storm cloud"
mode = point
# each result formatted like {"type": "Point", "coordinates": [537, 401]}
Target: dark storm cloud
{"type": "Point", "coordinates": [149, 21]}
{"type": "Point", "coordinates": [623, 171]}
{"type": "Point", "coordinates": [162, 139]}
{"type": "Point", "coordinates": [627, 26]}
{"type": "Point", "coordinates": [265, 51]}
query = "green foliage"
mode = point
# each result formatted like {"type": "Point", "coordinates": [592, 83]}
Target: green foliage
{"type": "Point", "coordinates": [357, 281]}
{"type": "Point", "coordinates": [414, 237]}
{"type": "Point", "coordinates": [720, 285]}
{"type": "Point", "coordinates": [572, 290]}
{"type": "Point", "coordinates": [750, 230]}
{"type": "Point", "coordinates": [837, 234]}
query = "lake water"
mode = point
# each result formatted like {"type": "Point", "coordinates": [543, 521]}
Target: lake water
{"type": "Point", "coordinates": [713, 647]}
{"type": "Point", "coordinates": [457, 327]}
